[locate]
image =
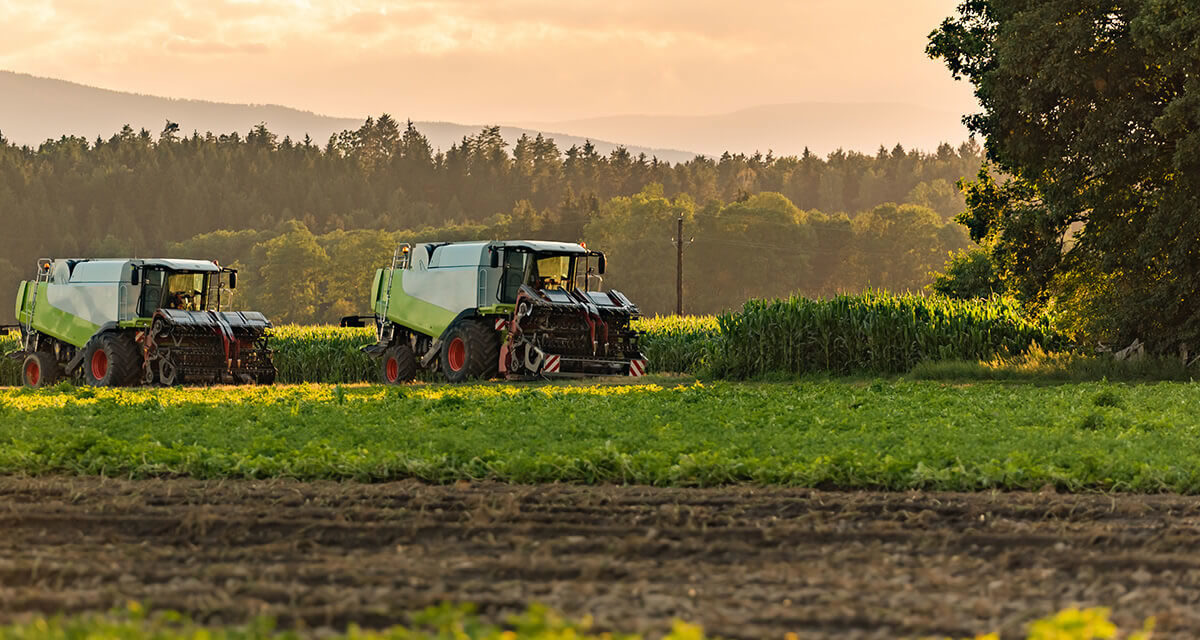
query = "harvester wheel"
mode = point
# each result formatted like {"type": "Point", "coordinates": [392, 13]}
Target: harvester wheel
{"type": "Point", "coordinates": [112, 360]}
{"type": "Point", "coordinates": [40, 370]}
{"type": "Point", "coordinates": [399, 364]}
{"type": "Point", "coordinates": [472, 351]}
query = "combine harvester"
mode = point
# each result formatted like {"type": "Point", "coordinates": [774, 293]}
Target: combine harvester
{"type": "Point", "coordinates": [124, 322]}
{"type": "Point", "coordinates": [518, 309]}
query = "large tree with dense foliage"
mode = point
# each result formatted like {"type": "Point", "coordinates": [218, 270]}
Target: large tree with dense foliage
{"type": "Point", "coordinates": [1091, 111]}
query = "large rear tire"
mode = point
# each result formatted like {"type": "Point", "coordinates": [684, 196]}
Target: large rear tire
{"type": "Point", "coordinates": [112, 360]}
{"type": "Point", "coordinates": [40, 369]}
{"type": "Point", "coordinates": [399, 364]}
{"type": "Point", "coordinates": [472, 351]}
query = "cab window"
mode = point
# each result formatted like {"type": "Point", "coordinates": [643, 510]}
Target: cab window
{"type": "Point", "coordinates": [152, 292]}
{"type": "Point", "coordinates": [185, 291]}
{"type": "Point", "coordinates": [163, 289]}
{"type": "Point", "coordinates": [514, 275]}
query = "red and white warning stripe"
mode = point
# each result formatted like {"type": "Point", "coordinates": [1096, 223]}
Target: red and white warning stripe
{"type": "Point", "coordinates": [551, 364]}
{"type": "Point", "coordinates": [500, 322]}
{"type": "Point", "coordinates": [637, 368]}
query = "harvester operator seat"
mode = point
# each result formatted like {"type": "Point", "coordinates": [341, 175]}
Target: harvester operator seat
{"type": "Point", "coordinates": [177, 300]}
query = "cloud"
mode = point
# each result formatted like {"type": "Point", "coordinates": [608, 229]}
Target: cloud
{"type": "Point", "coordinates": [487, 60]}
{"type": "Point", "coordinates": [179, 44]}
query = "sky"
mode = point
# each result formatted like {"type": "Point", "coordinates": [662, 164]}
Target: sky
{"type": "Point", "coordinates": [491, 61]}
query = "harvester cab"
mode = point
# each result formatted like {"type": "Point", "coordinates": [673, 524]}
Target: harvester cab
{"type": "Point", "coordinates": [117, 322]}
{"type": "Point", "coordinates": [521, 309]}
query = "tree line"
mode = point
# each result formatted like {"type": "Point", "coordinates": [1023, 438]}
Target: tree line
{"type": "Point", "coordinates": [761, 246]}
{"type": "Point", "coordinates": [807, 223]}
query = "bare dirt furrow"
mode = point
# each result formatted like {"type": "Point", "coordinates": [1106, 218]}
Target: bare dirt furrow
{"type": "Point", "coordinates": [744, 562]}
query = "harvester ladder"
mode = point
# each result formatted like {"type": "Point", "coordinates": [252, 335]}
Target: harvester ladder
{"type": "Point", "coordinates": [400, 258]}
{"type": "Point", "coordinates": [44, 266]}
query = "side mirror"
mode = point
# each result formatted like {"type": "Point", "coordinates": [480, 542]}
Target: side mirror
{"type": "Point", "coordinates": [495, 257]}
{"type": "Point", "coordinates": [600, 267]}
{"type": "Point", "coordinates": [232, 280]}
{"type": "Point", "coordinates": [135, 276]}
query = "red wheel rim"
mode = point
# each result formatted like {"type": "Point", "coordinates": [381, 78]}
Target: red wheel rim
{"type": "Point", "coordinates": [456, 354]}
{"type": "Point", "coordinates": [33, 372]}
{"type": "Point", "coordinates": [99, 364]}
{"type": "Point", "coordinates": [393, 369]}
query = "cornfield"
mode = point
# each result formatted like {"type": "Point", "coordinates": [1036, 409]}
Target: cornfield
{"type": "Point", "coordinates": [874, 332]}
{"type": "Point", "coordinates": [323, 354]}
{"type": "Point", "coordinates": [10, 370]}
{"type": "Point", "coordinates": [677, 343]}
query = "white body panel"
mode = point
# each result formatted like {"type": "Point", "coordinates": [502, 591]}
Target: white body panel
{"type": "Point", "coordinates": [96, 303]}
{"type": "Point", "coordinates": [96, 271]}
{"type": "Point", "coordinates": [466, 254]}
{"type": "Point", "coordinates": [451, 288]}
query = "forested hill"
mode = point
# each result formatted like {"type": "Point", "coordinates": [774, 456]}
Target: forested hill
{"type": "Point", "coordinates": [35, 109]}
{"type": "Point", "coordinates": [309, 222]}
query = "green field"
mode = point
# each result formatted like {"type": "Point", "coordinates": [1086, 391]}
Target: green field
{"type": "Point", "coordinates": [673, 432]}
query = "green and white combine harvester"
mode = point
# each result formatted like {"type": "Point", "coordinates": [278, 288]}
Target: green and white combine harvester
{"type": "Point", "coordinates": [117, 322]}
{"type": "Point", "coordinates": [517, 309]}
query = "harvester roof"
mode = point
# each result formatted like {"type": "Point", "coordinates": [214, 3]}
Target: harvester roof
{"type": "Point", "coordinates": [168, 263]}
{"type": "Point", "coordinates": [543, 245]}
{"type": "Point", "coordinates": [115, 269]}
{"type": "Point", "coordinates": [179, 265]}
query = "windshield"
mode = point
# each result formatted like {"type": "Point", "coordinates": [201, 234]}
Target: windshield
{"type": "Point", "coordinates": [162, 289]}
{"type": "Point", "coordinates": [185, 291]}
{"type": "Point", "coordinates": [551, 272]}
{"type": "Point", "coordinates": [538, 270]}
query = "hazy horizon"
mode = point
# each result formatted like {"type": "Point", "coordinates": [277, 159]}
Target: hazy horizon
{"type": "Point", "coordinates": [473, 61]}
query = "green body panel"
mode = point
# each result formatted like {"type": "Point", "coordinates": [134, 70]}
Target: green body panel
{"type": "Point", "coordinates": [376, 289]}
{"type": "Point", "coordinates": [52, 321]}
{"type": "Point", "coordinates": [414, 313]}
{"type": "Point", "coordinates": [497, 310]}
{"type": "Point", "coordinates": [21, 289]}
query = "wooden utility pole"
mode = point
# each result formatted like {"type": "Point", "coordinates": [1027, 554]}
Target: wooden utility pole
{"type": "Point", "coordinates": [679, 267]}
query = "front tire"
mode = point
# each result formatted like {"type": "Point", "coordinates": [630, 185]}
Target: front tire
{"type": "Point", "coordinates": [39, 370]}
{"type": "Point", "coordinates": [399, 364]}
{"type": "Point", "coordinates": [111, 360]}
{"type": "Point", "coordinates": [472, 351]}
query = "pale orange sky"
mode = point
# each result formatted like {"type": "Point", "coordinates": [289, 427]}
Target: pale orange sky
{"type": "Point", "coordinates": [491, 61]}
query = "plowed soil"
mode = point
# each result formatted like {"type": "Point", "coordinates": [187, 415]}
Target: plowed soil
{"type": "Point", "coordinates": [744, 562]}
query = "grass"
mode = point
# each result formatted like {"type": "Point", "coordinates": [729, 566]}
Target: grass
{"type": "Point", "coordinates": [460, 622]}
{"type": "Point", "coordinates": [882, 434]}
{"type": "Point", "coordinates": [1038, 366]}
{"type": "Point", "coordinates": [443, 622]}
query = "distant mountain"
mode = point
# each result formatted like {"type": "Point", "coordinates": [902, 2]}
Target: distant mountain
{"type": "Point", "coordinates": [35, 109]}
{"type": "Point", "coordinates": [786, 129]}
